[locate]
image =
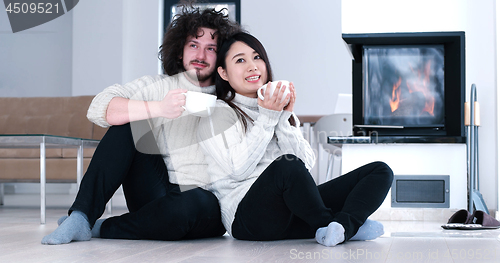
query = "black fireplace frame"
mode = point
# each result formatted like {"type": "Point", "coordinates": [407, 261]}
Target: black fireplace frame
{"type": "Point", "coordinates": [454, 86]}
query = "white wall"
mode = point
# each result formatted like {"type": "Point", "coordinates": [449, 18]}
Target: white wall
{"type": "Point", "coordinates": [365, 16]}
{"type": "Point", "coordinates": [97, 45]}
{"type": "Point", "coordinates": [140, 38]}
{"type": "Point", "coordinates": [304, 44]}
{"type": "Point", "coordinates": [497, 53]}
{"type": "Point", "coordinates": [36, 62]}
{"type": "Point", "coordinates": [481, 70]}
{"type": "Point", "coordinates": [115, 41]}
{"type": "Point", "coordinates": [477, 19]}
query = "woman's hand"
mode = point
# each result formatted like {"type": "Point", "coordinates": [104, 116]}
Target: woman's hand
{"type": "Point", "coordinates": [274, 101]}
{"type": "Point", "coordinates": [293, 97]}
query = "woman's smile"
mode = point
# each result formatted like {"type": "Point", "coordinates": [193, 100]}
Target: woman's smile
{"type": "Point", "coordinates": [253, 78]}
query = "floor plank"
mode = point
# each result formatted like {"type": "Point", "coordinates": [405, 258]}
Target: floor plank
{"type": "Point", "coordinates": [404, 241]}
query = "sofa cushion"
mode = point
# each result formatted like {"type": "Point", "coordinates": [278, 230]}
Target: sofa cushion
{"type": "Point", "coordinates": [63, 116]}
{"type": "Point", "coordinates": [30, 153]}
{"type": "Point", "coordinates": [49, 153]}
{"type": "Point", "coordinates": [28, 170]}
{"type": "Point", "coordinates": [72, 152]}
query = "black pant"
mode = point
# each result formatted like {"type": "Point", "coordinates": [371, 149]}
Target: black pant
{"type": "Point", "coordinates": [285, 203]}
{"type": "Point", "coordinates": [157, 208]}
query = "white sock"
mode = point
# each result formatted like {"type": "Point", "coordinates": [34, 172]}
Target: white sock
{"type": "Point", "coordinates": [331, 235]}
{"type": "Point", "coordinates": [369, 230]}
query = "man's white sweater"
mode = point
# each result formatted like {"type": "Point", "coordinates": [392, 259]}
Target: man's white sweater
{"type": "Point", "coordinates": [176, 138]}
{"type": "Point", "coordinates": [237, 157]}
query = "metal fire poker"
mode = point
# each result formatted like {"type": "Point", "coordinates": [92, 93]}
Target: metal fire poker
{"type": "Point", "coordinates": [472, 120]}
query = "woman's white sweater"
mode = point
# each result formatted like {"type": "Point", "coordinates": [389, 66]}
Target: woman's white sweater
{"type": "Point", "coordinates": [236, 157]}
{"type": "Point", "coordinates": [176, 138]}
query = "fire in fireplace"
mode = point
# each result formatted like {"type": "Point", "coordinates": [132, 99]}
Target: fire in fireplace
{"type": "Point", "coordinates": [409, 86]}
{"type": "Point", "coordinates": [404, 86]}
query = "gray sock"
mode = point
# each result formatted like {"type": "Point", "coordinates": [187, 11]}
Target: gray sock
{"type": "Point", "coordinates": [61, 220]}
{"type": "Point", "coordinates": [74, 228]}
{"type": "Point", "coordinates": [369, 230]}
{"type": "Point", "coordinates": [331, 235]}
{"type": "Point", "coordinates": [96, 230]}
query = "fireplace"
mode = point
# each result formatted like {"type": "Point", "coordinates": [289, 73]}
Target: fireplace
{"type": "Point", "coordinates": [408, 87]}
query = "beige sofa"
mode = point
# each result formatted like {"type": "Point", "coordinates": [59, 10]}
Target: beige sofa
{"type": "Point", "coordinates": [63, 116]}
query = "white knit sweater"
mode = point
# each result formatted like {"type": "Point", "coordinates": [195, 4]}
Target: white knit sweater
{"type": "Point", "coordinates": [236, 158]}
{"type": "Point", "coordinates": [176, 138]}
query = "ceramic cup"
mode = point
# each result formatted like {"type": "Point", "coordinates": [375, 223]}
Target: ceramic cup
{"type": "Point", "coordinates": [262, 90]}
{"type": "Point", "coordinates": [199, 104]}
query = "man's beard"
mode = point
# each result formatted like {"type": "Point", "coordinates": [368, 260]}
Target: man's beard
{"type": "Point", "coordinates": [196, 75]}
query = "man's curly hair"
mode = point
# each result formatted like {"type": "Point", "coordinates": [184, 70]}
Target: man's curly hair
{"type": "Point", "coordinates": [187, 24]}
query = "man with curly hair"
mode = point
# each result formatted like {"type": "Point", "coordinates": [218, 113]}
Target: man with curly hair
{"type": "Point", "coordinates": [153, 166]}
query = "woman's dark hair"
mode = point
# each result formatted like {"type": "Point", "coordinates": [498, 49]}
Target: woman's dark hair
{"type": "Point", "coordinates": [186, 24]}
{"type": "Point", "coordinates": [223, 89]}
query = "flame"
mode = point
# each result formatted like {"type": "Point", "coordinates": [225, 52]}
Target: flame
{"type": "Point", "coordinates": [421, 84]}
{"type": "Point", "coordinates": [396, 94]}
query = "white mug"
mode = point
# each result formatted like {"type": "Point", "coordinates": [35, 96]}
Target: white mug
{"type": "Point", "coordinates": [199, 104]}
{"type": "Point", "coordinates": [262, 90]}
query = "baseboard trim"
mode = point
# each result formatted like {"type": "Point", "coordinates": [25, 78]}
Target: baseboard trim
{"type": "Point", "coordinates": [413, 214]}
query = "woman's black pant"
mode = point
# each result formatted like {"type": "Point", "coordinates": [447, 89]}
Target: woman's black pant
{"type": "Point", "coordinates": [158, 209]}
{"type": "Point", "coordinates": [285, 203]}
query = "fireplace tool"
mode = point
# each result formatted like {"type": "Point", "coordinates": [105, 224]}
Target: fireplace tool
{"type": "Point", "coordinates": [472, 120]}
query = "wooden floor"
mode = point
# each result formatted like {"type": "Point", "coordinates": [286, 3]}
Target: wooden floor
{"type": "Point", "coordinates": [404, 241]}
